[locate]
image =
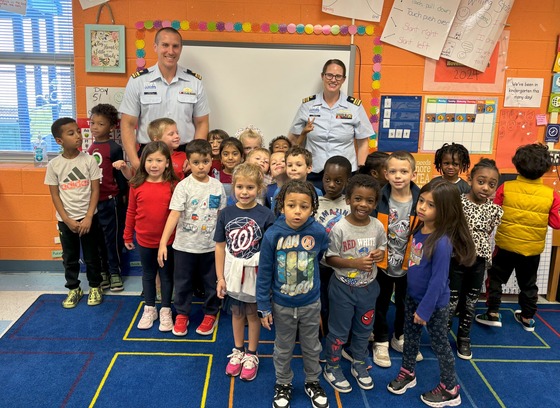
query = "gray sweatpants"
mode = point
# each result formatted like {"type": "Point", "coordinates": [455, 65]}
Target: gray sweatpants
{"type": "Point", "coordinates": [287, 321]}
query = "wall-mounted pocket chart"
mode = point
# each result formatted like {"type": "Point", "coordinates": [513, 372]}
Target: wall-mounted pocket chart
{"type": "Point", "coordinates": [400, 123]}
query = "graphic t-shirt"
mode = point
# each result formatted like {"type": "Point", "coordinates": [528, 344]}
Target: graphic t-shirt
{"type": "Point", "coordinates": [242, 231]}
{"type": "Point", "coordinates": [331, 211]}
{"type": "Point", "coordinates": [397, 236]}
{"type": "Point", "coordinates": [198, 204]}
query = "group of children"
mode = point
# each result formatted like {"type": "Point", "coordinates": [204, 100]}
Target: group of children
{"type": "Point", "coordinates": [320, 265]}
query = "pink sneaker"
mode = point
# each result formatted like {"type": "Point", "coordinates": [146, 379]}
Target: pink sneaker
{"type": "Point", "coordinates": [250, 367]}
{"type": "Point", "coordinates": [207, 326]}
{"type": "Point", "coordinates": [234, 366]}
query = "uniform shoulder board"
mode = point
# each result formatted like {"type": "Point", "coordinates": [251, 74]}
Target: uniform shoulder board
{"type": "Point", "coordinates": [194, 74]}
{"type": "Point", "coordinates": [309, 98]}
{"type": "Point", "coordinates": [353, 100]}
{"type": "Point", "coordinates": [138, 73]}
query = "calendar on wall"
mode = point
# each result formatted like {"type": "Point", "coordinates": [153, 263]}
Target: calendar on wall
{"type": "Point", "coordinates": [468, 121]}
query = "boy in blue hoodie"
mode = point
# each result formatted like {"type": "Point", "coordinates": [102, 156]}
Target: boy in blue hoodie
{"type": "Point", "coordinates": [289, 268]}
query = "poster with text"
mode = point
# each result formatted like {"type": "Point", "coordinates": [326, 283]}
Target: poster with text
{"type": "Point", "coordinates": [523, 92]}
{"type": "Point", "coordinates": [14, 6]}
{"type": "Point", "coordinates": [399, 127]}
{"type": "Point", "coordinates": [475, 31]}
{"type": "Point", "coordinates": [368, 10]}
{"type": "Point", "coordinates": [420, 26]}
{"type": "Point", "coordinates": [112, 95]}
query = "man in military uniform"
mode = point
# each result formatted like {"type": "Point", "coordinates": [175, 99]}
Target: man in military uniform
{"type": "Point", "coordinates": [163, 90]}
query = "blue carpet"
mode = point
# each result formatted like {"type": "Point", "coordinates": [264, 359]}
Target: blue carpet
{"type": "Point", "coordinates": [95, 356]}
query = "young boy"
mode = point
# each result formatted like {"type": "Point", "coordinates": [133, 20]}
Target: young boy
{"type": "Point", "coordinates": [165, 129]}
{"type": "Point", "coordinates": [529, 206]}
{"type": "Point", "coordinates": [396, 210]}
{"type": "Point", "coordinates": [279, 177]}
{"type": "Point", "coordinates": [332, 208]}
{"type": "Point", "coordinates": [111, 209]}
{"type": "Point", "coordinates": [73, 180]}
{"type": "Point", "coordinates": [288, 290]}
{"type": "Point", "coordinates": [194, 211]}
{"type": "Point", "coordinates": [356, 243]}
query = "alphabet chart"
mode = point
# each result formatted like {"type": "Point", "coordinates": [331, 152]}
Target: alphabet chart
{"type": "Point", "coordinates": [469, 121]}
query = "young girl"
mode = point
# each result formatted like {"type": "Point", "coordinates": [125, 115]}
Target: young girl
{"type": "Point", "coordinates": [451, 160]}
{"type": "Point", "coordinates": [238, 236]}
{"type": "Point", "coordinates": [231, 154]}
{"type": "Point", "coordinates": [280, 144]}
{"type": "Point", "coordinates": [261, 157]}
{"type": "Point", "coordinates": [375, 167]}
{"type": "Point", "coordinates": [289, 268]}
{"type": "Point", "coordinates": [148, 208]}
{"type": "Point", "coordinates": [442, 230]}
{"type": "Point", "coordinates": [250, 137]}
{"type": "Point", "coordinates": [215, 137]}
{"type": "Point", "coordinates": [483, 216]}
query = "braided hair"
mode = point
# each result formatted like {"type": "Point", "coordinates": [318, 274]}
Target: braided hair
{"type": "Point", "coordinates": [453, 149]}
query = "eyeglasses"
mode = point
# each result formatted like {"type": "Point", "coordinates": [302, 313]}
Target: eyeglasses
{"type": "Point", "coordinates": [330, 76]}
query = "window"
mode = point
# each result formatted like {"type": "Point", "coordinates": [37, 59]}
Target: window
{"type": "Point", "coordinates": [36, 73]}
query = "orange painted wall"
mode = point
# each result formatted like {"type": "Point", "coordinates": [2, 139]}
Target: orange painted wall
{"type": "Point", "coordinates": [26, 213]}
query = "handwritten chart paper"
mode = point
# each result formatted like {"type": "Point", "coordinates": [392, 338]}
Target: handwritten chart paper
{"type": "Point", "coordinates": [420, 26]}
{"type": "Point", "coordinates": [475, 31]}
{"type": "Point", "coordinates": [523, 92]}
{"type": "Point", "coordinates": [369, 10]}
{"type": "Point", "coordinates": [103, 94]}
{"type": "Point", "coordinates": [91, 3]}
{"type": "Point", "coordinates": [16, 6]}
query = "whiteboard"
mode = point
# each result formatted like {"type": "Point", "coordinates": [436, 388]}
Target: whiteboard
{"type": "Point", "coordinates": [261, 84]}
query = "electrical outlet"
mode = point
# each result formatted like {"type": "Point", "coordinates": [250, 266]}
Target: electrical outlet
{"type": "Point", "coordinates": [555, 156]}
{"type": "Point", "coordinates": [57, 240]}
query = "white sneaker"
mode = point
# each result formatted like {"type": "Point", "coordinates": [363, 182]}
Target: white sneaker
{"type": "Point", "coordinates": [165, 320]}
{"type": "Point", "coordinates": [398, 345]}
{"type": "Point", "coordinates": [148, 318]}
{"type": "Point", "coordinates": [381, 354]}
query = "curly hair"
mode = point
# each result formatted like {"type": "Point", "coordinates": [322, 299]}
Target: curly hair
{"type": "Point", "coordinates": [277, 138]}
{"type": "Point", "coordinates": [532, 160]}
{"type": "Point", "coordinates": [298, 187]}
{"type": "Point", "coordinates": [453, 149]}
{"type": "Point", "coordinates": [362, 180]}
{"type": "Point", "coordinates": [107, 111]}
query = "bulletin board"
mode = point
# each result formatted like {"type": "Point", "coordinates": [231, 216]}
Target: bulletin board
{"type": "Point", "coordinates": [400, 123]}
{"type": "Point", "coordinates": [463, 120]}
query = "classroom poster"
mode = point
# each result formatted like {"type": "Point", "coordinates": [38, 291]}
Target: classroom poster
{"type": "Point", "coordinates": [424, 168]}
{"type": "Point", "coordinates": [103, 94]}
{"type": "Point", "coordinates": [475, 30]}
{"type": "Point", "coordinates": [420, 26]}
{"type": "Point", "coordinates": [466, 120]}
{"type": "Point", "coordinates": [368, 10]}
{"type": "Point", "coordinates": [523, 92]}
{"type": "Point", "coordinates": [14, 6]}
{"type": "Point", "coordinates": [450, 76]}
{"type": "Point", "coordinates": [516, 127]}
{"type": "Point", "coordinates": [400, 123]}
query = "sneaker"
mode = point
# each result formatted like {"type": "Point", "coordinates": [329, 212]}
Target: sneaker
{"type": "Point", "coordinates": [347, 354]}
{"type": "Point", "coordinates": [335, 377]}
{"type": "Point", "coordinates": [403, 382]}
{"type": "Point", "coordinates": [233, 368]}
{"type": "Point", "coordinates": [527, 326]}
{"type": "Point", "coordinates": [74, 296]}
{"type": "Point", "coordinates": [398, 345]}
{"type": "Point", "coordinates": [282, 395]}
{"type": "Point", "coordinates": [148, 318]}
{"type": "Point", "coordinates": [441, 397]}
{"type": "Point", "coordinates": [464, 348]}
{"type": "Point", "coordinates": [165, 319]}
{"type": "Point", "coordinates": [489, 320]}
{"type": "Point", "coordinates": [360, 373]}
{"type": "Point", "coordinates": [381, 354]}
{"type": "Point", "coordinates": [181, 324]}
{"type": "Point", "coordinates": [116, 283]}
{"type": "Point", "coordinates": [316, 394]}
{"type": "Point", "coordinates": [95, 296]}
{"type": "Point", "coordinates": [105, 283]}
{"type": "Point", "coordinates": [207, 326]}
{"type": "Point", "coordinates": [250, 367]}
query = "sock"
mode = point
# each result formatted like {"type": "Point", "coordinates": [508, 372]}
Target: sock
{"type": "Point", "coordinates": [251, 352]}
{"type": "Point", "coordinates": [242, 349]}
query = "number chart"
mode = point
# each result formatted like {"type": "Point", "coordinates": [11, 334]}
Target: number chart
{"type": "Point", "coordinates": [469, 121]}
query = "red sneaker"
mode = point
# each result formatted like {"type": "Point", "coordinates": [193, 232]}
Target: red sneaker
{"type": "Point", "coordinates": [207, 326]}
{"type": "Point", "coordinates": [181, 324]}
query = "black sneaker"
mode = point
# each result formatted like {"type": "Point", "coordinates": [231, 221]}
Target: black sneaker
{"type": "Point", "coordinates": [489, 320]}
{"type": "Point", "coordinates": [464, 348]}
{"type": "Point", "coordinates": [316, 394]}
{"type": "Point", "coordinates": [282, 395]}
{"type": "Point", "coordinates": [527, 326]}
{"type": "Point", "coordinates": [441, 397]}
{"type": "Point", "coordinates": [403, 382]}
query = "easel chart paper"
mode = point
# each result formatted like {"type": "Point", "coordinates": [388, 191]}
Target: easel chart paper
{"type": "Point", "coordinates": [420, 26]}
